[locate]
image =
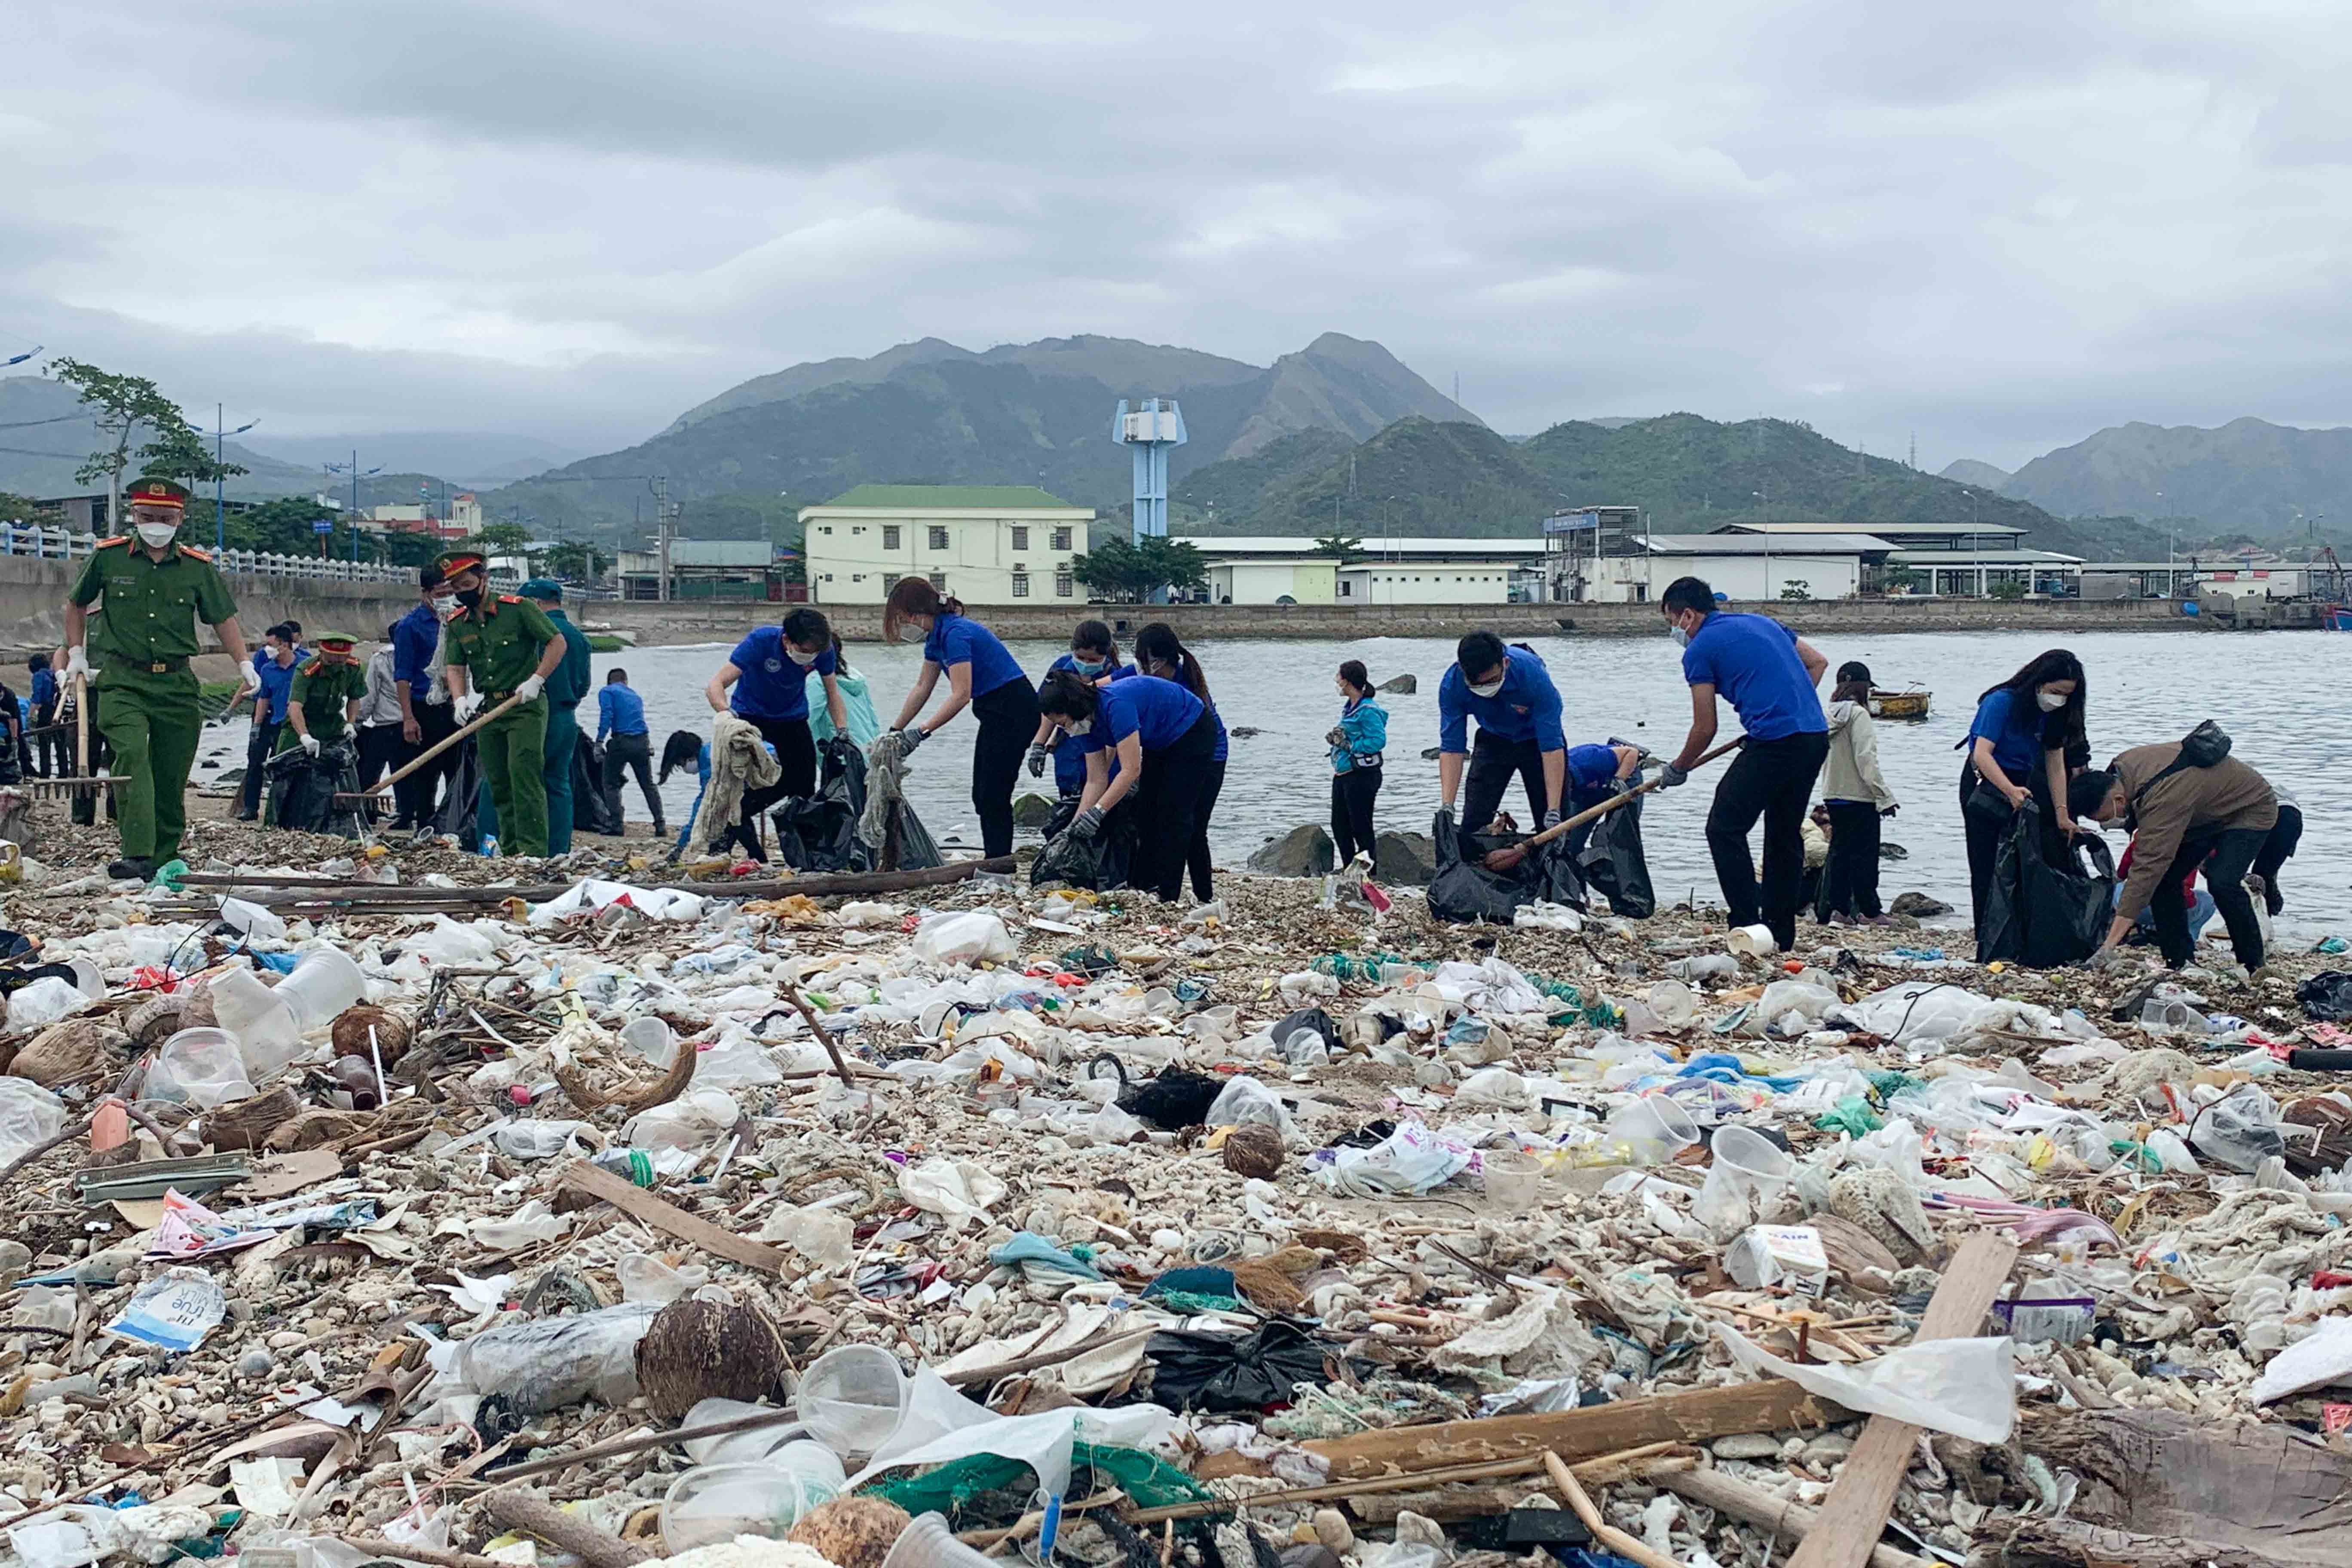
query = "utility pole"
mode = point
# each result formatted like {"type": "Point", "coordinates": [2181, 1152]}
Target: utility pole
{"type": "Point", "coordinates": [663, 523]}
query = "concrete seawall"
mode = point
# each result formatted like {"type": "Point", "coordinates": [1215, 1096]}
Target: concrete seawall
{"type": "Point", "coordinates": [33, 597]}
{"type": "Point", "coordinates": [659, 626]}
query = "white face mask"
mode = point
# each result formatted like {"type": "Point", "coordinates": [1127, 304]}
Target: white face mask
{"type": "Point", "coordinates": [797, 657]}
{"type": "Point", "coordinates": [1487, 689]}
{"type": "Point", "coordinates": [1682, 637]}
{"type": "Point", "coordinates": [1078, 726]}
{"type": "Point", "coordinates": [2050, 701]}
{"type": "Point", "coordinates": [445, 605]}
{"type": "Point", "coordinates": [155, 535]}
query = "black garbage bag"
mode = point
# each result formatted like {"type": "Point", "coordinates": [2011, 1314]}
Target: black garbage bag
{"type": "Point", "coordinates": [1219, 1372]}
{"type": "Point", "coordinates": [1099, 863]}
{"type": "Point", "coordinates": [456, 814]}
{"type": "Point", "coordinates": [2326, 997]}
{"type": "Point", "coordinates": [302, 789]}
{"type": "Point", "coordinates": [1464, 891]}
{"type": "Point", "coordinates": [591, 811]}
{"type": "Point", "coordinates": [819, 832]}
{"type": "Point", "coordinates": [1174, 1101]}
{"type": "Point", "coordinates": [1614, 865]}
{"type": "Point", "coordinates": [1309, 1018]}
{"type": "Point", "coordinates": [2045, 913]}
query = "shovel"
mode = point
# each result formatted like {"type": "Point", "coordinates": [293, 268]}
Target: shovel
{"type": "Point", "coordinates": [363, 797]}
{"type": "Point", "coordinates": [1508, 859]}
{"type": "Point", "coordinates": [50, 789]}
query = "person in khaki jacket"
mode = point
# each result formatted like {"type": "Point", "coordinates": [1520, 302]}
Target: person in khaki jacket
{"type": "Point", "coordinates": [2181, 816]}
{"type": "Point", "coordinates": [1855, 794]}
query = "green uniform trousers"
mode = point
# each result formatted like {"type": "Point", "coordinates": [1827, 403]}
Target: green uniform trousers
{"type": "Point", "coordinates": [152, 724]}
{"type": "Point", "coordinates": [513, 750]}
{"type": "Point", "coordinates": [563, 745]}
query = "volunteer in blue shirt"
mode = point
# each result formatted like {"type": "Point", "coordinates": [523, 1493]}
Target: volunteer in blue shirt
{"type": "Point", "coordinates": [1766, 672]}
{"type": "Point", "coordinates": [1356, 741]}
{"type": "Point", "coordinates": [1161, 652]}
{"type": "Point", "coordinates": [2017, 750]}
{"type": "Point", "coordinates": [1595, 773]}
{"type": "Point", "coordinates": [1165, 741]}
{"type": "Point", "coordinates": [1510, 694]}
{"type": "Point", "coordinates": [981, 676]}
{"type": "Point", "coordinates": [769, 671]}
{"type": "Point", "coordinates": [1094, 654]}
{"type": "Point", "coordinates": [44, 712]}
{"type": "Point", "coordinates": [628, 744]}
{"type": "Point", "coordinates": [424, 723]}
{"type": "Point", "coordinates": [275, 664]}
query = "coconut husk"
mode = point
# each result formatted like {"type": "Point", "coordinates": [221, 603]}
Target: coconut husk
{"type": "Point", "coordinates": [1254, 1150]}
{"type": "Point", "coordinates": [157, 1019]}
{"type": "Point", "coordinates": [1343, 1247]}
{"type": "Point", "coordinates": [695, 1349]}
{"type": "Point", "coordinates": [315, 1129]}
{"type": "Point", "coordinates": [247, 1123]}
{"type": "Point", "coordinates": [851, 1531]}
{"type": "Point", "coordinates": [1264, 1284]}
{"type": "Point", "coordinates": [68, 1049]}
{"type": "Point", "coordinates": [350, 1032]}
{"type": "Point", "coordinates": [634, 1097]}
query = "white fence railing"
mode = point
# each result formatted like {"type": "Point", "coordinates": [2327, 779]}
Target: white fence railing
{"type": "Point", "coordinates": [66, 544]}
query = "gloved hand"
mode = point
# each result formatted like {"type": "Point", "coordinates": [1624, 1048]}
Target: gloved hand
{"type": "Point", "coordinates": [463, 709]}
{"type": "Point", "coordinates": [2105, 958]}
{"type": "Point", "coordinates": [1038, 752]}
{"type": "Point", "coordinates": [912, 737]}
{"type": "Point", "coordinates": [1551, 817]}
{"type": "Point", "coordinates": [78, 662]}
{"type": "Point", "coordinates": [248, 683]}
{"type": "Point", "coordinates": [1888, 810]}
{"type": "Point", "coordinates": [533, 685]}
{"type": "Point", "coordinates": [311, 744]}
{"type": "Point", "coordinates": [1090, 822]}
{"type": "Point", "coordinates": [1671, 775]}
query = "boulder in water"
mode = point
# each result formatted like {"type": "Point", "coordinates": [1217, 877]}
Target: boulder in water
{"type": "Point", "coordinates": [1033, 810]}
{"type": "Point", "coordinates": [1918, 906]}
{"type": "Point", "coordinates": [1304, 851]}
{"type": "Point", "coordinates": [1399, 683]}
{"type": "Point", "coordinates": [1404, 859]}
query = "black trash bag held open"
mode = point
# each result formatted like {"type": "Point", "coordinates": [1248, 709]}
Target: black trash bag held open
{"type": "Point", "coordinates": [591, 811]}
{"type": "Point", "coordinates": [819, 832]}
{"type": "Point", "coordinates": [1099, 863]}
{"type": "Point", "coordinates": [1463, 891]}
{"type": "Point", "coordinates": [457, 816]}
{"type": "Point", "coordinates": [2045, 913]}
{"type": "Point", "coordinates": [302, 789]}
{"type": "Point", "coordinates": [1614, 866]}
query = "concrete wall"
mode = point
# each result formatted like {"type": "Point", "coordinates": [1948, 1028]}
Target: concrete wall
{"type": "Point", "coordinates": [33, 597]}
{"type": "Point", "coordinates": [655, 626]}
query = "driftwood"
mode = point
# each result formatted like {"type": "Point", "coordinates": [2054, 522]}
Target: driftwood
{"type": "Point", "coordinates": [276, 892]}
{"type": "Point", "coordinates": [1753, 1505]}
{"type": "Point", "coordinates": [537, 1516]}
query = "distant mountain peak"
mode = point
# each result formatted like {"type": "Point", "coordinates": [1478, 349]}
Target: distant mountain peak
{"type": "Point", "coordinates": [1969, 472]}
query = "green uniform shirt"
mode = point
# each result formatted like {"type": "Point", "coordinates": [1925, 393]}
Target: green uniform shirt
{"type": "Point", "coordinates": [322, 689]}
{"type": "Point", "coordinates": [498, 644]}
{"type": "Point", "coordinates": [151, 609]}
{"type": "Point", "coordinates": [569, 684]}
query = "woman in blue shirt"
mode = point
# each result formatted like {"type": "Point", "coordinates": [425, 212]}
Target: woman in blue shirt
{"type": "Point", "coordinates": [1356, 741]}
{"type": "Point", "coordinates": [1094, 655]}
{"type": "Point", "coordinates": [2019, 748]}
{"type": "Point", "coordinates": [683, 747]}
{"type": "Point", "coordinates": [1160, 652]}
{"type": "Point", "coordinates": [769, 671]}
{"type": "Point", "coordinates": [981, 676]}
{"type": "Point", "coordinates": [1165, 741]}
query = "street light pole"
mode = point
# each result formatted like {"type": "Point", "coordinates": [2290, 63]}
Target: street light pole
{"type": "Point", "coordinates": [220, 503]}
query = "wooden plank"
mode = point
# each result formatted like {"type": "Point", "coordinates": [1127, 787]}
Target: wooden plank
{"type": "Point", "coordinates": [1753, 1505]}
{"type": "Point", "coordinates": [1699, 1416]}
{"type": "Point", "coordinates": [665, 1215]}
{"type": "Point", "coordinates": [276, 892]}
{"type": "Point", "coordinates": [1855, 1512]}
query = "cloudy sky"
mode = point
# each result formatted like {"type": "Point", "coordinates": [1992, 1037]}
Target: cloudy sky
{"type": "Point", "coordinates": [2002, 224]}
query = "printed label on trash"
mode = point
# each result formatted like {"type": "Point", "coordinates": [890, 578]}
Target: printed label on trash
{"type": "Point", "coordinates": [175, 1311]}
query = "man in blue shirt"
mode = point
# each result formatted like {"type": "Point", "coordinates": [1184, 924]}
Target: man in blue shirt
{"type": "Point", "coordinates": [1510, 694]}
{"type": "Point", "coordinates": [628, 744]}
{"type": "Point", "coordinates": [425, 722]}
{"type": "Point", "coordinates": [1767, 673]}
{"type": "Point", "coordinates": [44, 712]}
{"type": "Point", "coordinates": [275, 666]}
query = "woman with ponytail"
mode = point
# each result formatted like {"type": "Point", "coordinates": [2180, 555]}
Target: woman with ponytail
{"type": "Point", "coordinates": [1160, 652]}
{"type": "Point", "coordinates": [981, 676]}
{"type": "Point", "coordinates": [1165, 742]}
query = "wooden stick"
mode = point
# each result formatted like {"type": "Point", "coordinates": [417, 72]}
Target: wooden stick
{"type": "Point", "coordinates": [1604, 1465]}
{"type": "Point", "coordinates": [1630, 1547]}
{"type": "Point", "coordinates": [665, 1215]}
{"type": "Point", "coordinates": [1504, 859]}
{"type": "Point", "coordinates": [88, 781]}
{"type": "Point", "coordinates": [537, 1516]}
{"type": "Point", "coordinates": [376, 1546]}
{"type": "Point", "coordinates": [276, 892]}
{"type": "Point", "coordinates": [1753, 1505]}
{"type": "Point", "coordinates": [791, 993]}
{"type": "Point", "coordinates": [427, 755]}
{"type": "Point", "coordinates": [1855, 1512]}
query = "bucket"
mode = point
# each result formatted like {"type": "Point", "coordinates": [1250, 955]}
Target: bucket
{"type": "Point", "coordinates": [322, 984]}
{"type": "Point", "coordinates": [714, 1503]}
{"type": "Point", "coordinates": [851, 1399]}
{"type": "Point", "coordinates": [1747, 1178]}
{"type": "Point", "coordinates": [1514, 1179]}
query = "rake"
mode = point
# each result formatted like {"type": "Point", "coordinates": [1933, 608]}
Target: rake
{"type": "Point", "coordinates": [81, 788]}
{"type": "Point", "coordinates": [364, 797]}
{"type": "Point", "coordinates": [1508, 858]}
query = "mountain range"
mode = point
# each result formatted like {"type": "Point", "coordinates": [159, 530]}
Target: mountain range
{"type": "Point", "coordinates": [45, 436]}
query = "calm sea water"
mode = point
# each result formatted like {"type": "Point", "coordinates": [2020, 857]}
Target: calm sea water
{"type": "Point", "coordinates": [2274, 692]}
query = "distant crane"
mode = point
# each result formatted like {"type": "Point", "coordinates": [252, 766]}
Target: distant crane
{"type": "Point", "coordinates": [1150, 432]}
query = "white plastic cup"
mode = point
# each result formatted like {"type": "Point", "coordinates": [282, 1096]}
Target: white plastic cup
{"type": "Point", "coordinates": [200, 1068]}
{"type": "Point", "coordinates": [1671, 1001]}
{"type": "Point", "coordinates": [323, 984]}
{"type": "Point", "coordinates": [652, 1039]}
{"type": "Point", "coordinates": [851, 1399]}
{"type": "Point", "coordinates": [268, 1035]}
{"type": "Point", "coordinates": [1752, 941]}
{"type": "Point", "coordinates": [1747, 1176]}
{"type": "Point", "coordinates": [1514, 1179]}
{"type": "Point", "coordinates": [928, 1542]}
{"type": "Point", "coordinates": [1654, 1128]}
{"type": "Point", "coordinates": [715, 1503]}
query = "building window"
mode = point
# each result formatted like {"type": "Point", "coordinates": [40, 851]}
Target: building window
{"type": "Point", "coordinates": [857, 576]}
{"type": "Point", "coordinates": [890, 536]}
{"type": "Point", "coordinates": [827, 528]}
{"type": "Point", "coordinates": [1347, 590]}
{"type": "Point", "coordinates": [890, 581]}
{"type": "Point", "coordinates": [1061, 539]}
{"type": "Point", "coordinates": [938, 539]}
{"type": "Point", "coordinates": [1062, 580]}
{"type": "Point", "coordinates": [1021, 585]}
{"type": "Point", "coordinates": [828, 576]}
{"type": "Point", "coordinates": [856, 531]}
{"type": "Point", "coordinates": [1020, 536]}
{"type": "Point", "coordinates": [939, 581]}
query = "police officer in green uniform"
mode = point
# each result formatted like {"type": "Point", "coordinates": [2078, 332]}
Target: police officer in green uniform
{"type": "Point", "coordinates": [565, 689]}
{"type": "Point", "coordinates": [326, 696]}
{"type": "Point", "coordinates": [153, 589]}
{"type": "Point", "coordinates": [500, 646]}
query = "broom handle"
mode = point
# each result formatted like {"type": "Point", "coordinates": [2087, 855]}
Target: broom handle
{"type": "Point", "coordinates": [438, 747]}
{"type": "Point", "coordinates": [1593, 813]}
{"type": "Point", "coordinates": [81, 725]}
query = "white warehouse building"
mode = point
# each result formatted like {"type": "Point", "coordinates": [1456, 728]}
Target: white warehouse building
{"type": "Point", "coordinates": [1738, 566]}
{"type": "Point", "coordinates": [1284, 569]}
{"type": "Point", "coordinates": [986, 544]}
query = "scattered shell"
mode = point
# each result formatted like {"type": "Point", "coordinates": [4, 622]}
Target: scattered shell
{"type": "Point", "coordinates": [350, 1032]}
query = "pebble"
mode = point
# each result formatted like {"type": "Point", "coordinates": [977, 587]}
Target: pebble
{"type": "Point", "coordinates": [1332, 1530]}
{"type": "Point", "coordinates": [1747, 1446]}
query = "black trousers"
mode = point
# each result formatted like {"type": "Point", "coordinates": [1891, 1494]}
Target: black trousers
{"type": "Point", "coordinates": [1008, 720]}
{"type": "Point", "coordinates": [796, 746]}
{"type": "Point", "coordinates": [626, 755]}
{"type": "Point", "coordinates": [417, 795]}
{"type": "Point", "coordinates": [1167, 796]}
{"type": "Point", "coordinates": [1850, 880]}
{"type": "Point", "coordinates": [1772, 780]}
{"type": "Point", "coordinates": [1352, 794]}
{"type": "Point", "coordinates": [1196, 855]}
{"type": "Point", "coordinates": [258, 745]}
{"type": "Point", "coordinates": [2226, 856]}
{"type": "Point", "coordinates": [2277, 850]}
{"type": "Point", "coordinates": [379, 748]}
{"type": "Point", "coordinates": [1493, 760]}
{"type": "Point", "coordinates": [52, 744]}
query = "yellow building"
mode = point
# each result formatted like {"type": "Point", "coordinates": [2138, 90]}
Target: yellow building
{"type": "Point", "coordinates": [985, 544]}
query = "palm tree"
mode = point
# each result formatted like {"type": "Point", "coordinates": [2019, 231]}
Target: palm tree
{"type": "Point", "coordinates": [1347, 547]}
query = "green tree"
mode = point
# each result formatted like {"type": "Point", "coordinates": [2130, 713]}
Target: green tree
{"type": "Point", "coordinates": [1125, 573]}
{"type": "Point", "coordinates": [1347, 547]}
{"type": "Point", "coordinates": [2006, 588]}
{"type": "Point", "coordinates": [119, 406]}
{"type": "Point", "coordinates": [495, 539]}
{"type": "Point", "coordinates": [281, 527]}
{"type": "Point", "coordinates": [578, 560]}
{"type": "Point", "coordinates": [181, 453]}
{"type": "Point", "coordinates": [1798, 591]}
{"type": "Point", "coordinates": [23, 508]}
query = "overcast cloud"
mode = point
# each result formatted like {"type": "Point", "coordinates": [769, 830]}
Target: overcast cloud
{"type": "Point", "coordinates": [2001, 225]}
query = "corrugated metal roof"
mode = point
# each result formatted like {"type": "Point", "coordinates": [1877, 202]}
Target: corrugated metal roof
{"type": "Point", "coordinates": [1372, 547]}
{"type": "Point", "coordinates": [1018, 498]}
{"type": "Point", "coordinates": [1812, 543]}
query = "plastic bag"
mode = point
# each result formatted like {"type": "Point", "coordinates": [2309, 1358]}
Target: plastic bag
{"type": "Point", "coordinates": [2325, 997]}
{"type": "Point", "coordinates": [2044, 914]}
{"type": "Point", "coordinates": [958, 1190]}
{"type": "Point", "coordinates": [1965, 1387]}
{"type": "Point", "coordinates": [302, 789]}
{"type": "Point", "coordinates": [1463, 890]}
{"type": "Point", "coordinates": [1245, 1100]}
{"type": "Point", "coordinates": [1217, 1372]}
{"type": "Point", "coordinates": [1614, 865]}
{"type": "Point", "coordinates": [1100, 863]}
{"type": "Point", "coordinates": [695, 1120]}
{"type": "Point", "coordinates": [977, 936]}
{"type": "Point", "coordinates": [2240, 1130]}
{"type": "Point", "coordinates": [592, 812]}
{"type": "Point", "coordinates": [1412, 1159]}
{"type": "Point", "coordinates": [44, 1001]}
{"type": "Point", "coordinates": [551, 1363]}
{"type": "Point", "coordinates": [29, 1116]}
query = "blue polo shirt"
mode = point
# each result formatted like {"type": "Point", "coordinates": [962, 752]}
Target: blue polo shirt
{"type": "Point", "coordinates": [1526, 709]}
{"type": "Point", "coordinates": [957, 639]}
{"type": "Point", "coordinates": [1751, 660]}
{"type": "Point", "coordinates": [1591, 776]}
{"type": "Point", "coordinates": [619, 710]}
{"type": "Point", "coordinates": [772, 685]}
{"type": "Point", "coordinates": [1069, 757]}
{"type": "Point", "coordinates": [2014, 728]}
{"type": "Point", "coordinates": [1157, 712]}
{"type": "Point", "coordinates": [45, 688]}
{"type": "Point", "coordinates": [276, 684]}
{"type": "Point", "coordinates": [414, 637]}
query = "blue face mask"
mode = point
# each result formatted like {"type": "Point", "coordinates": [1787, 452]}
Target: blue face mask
{"type": "Point", "coordinates": [1089, 666]}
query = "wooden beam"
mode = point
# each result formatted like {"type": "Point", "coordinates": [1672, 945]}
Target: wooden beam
{"type": "Point", "coordinates": [273, 890]}
{"type": "Point", "coordinates": [1855, 1512]}
{"type": "Point", "coordinates": [1699, 1416]}
{"type": "Point", "coordinates": [1754, 1505]}
{"type": "Point", "coordinates": [665, 1215]}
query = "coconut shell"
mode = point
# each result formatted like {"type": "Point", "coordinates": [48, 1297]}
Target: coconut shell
{"type": "Point", "coordinates": [1254, 1149]}
{"type": "Point", "coordinates": [350, 1032]}
{"type": "Point", "coordinates": [694, 1350]}
{"type": "Point", "coordinates": [247, 1123]}
{"type": "Point", "coordinates": [851, 1531]}
{"type": "Point", "coordinates": [69, 1048]}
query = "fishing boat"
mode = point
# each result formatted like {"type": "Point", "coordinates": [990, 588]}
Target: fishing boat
{"type": "Point", "coordinates": [2336, 617]}
{"type": "Point", "coordinates": [1899, 704]}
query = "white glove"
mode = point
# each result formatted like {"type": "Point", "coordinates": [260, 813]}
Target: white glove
{"type": "Point", "coordinates": [249, 682]}
{"type": "Point", "coordinates": [533, 685]}
{"type": "Point", "coordinates": [311, 744]}
{"type": "Point", "coordinates": [78, 662]}
{"type": "Point", "coordinates": [464, 709]}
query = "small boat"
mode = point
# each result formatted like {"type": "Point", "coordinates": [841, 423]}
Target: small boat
{"type": "Point", "coordinates": [1899, 704]}
{"type": "Point", "coordinates": [2336, 617]}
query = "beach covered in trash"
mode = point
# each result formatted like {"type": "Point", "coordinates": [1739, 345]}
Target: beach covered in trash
{"type": "Point", "coordinates": [357, 1210]}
